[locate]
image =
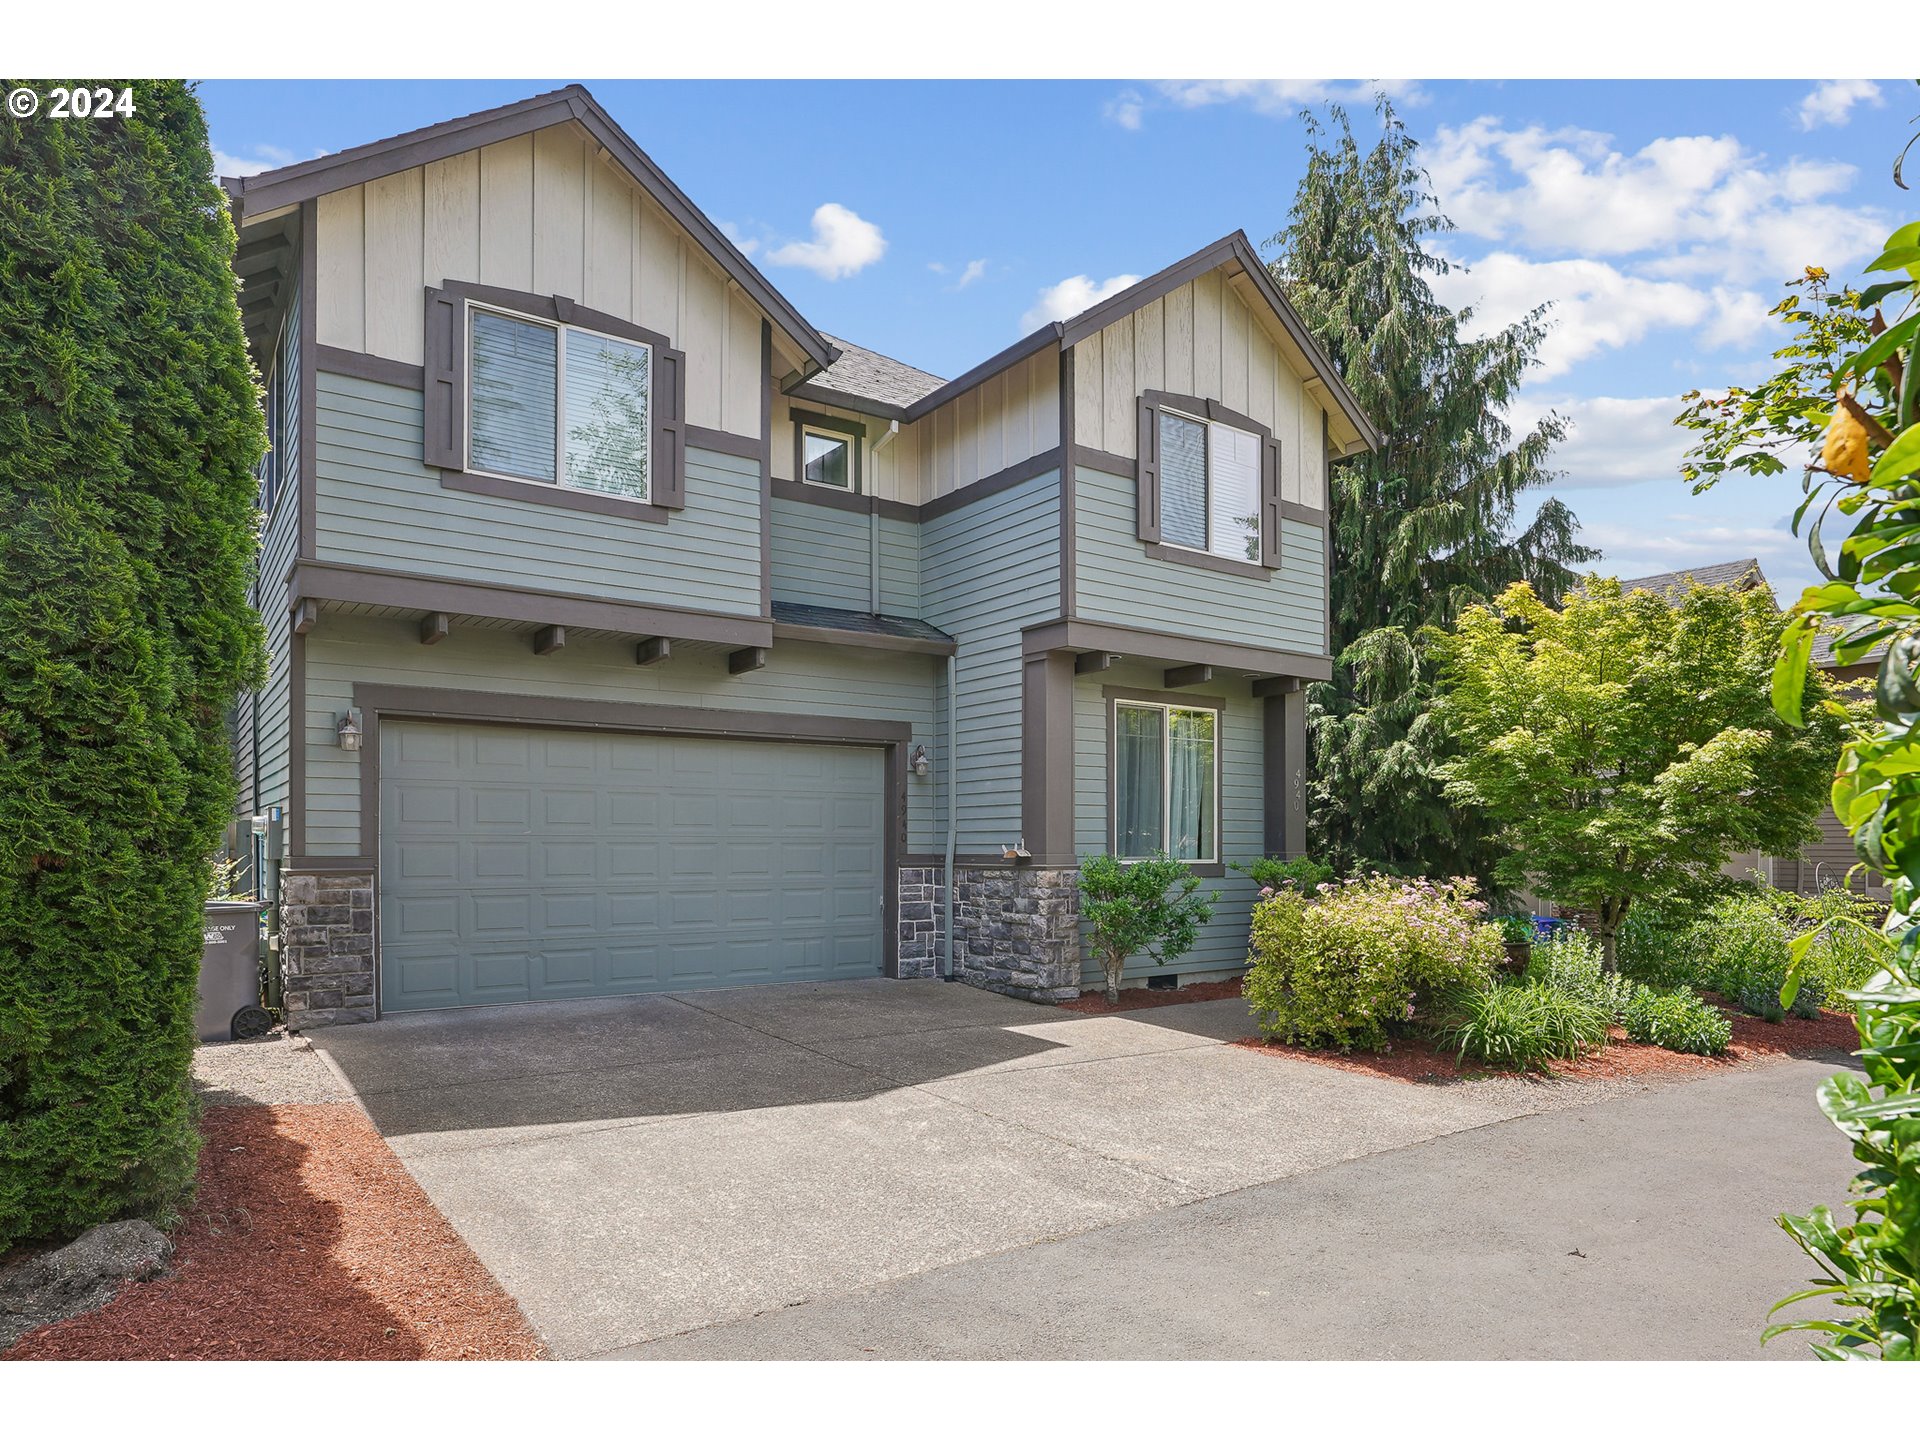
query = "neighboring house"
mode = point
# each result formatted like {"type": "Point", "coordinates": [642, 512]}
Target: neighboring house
{"type": "Point", "coordinates": [631, 634]}
{"type": "Point", "coordinates": [1825, 862]}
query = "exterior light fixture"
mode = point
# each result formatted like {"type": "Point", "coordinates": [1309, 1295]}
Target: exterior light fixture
{"type": "Point", "coordinates": [348, 730]}
{"type": "Point", "coordinates": [921, 762]}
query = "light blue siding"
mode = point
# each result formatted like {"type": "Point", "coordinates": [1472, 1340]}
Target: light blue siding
{"type": "Point", "coordinates": [278, 545]}
{"type": "Point", "coordinates": [1117, 581]}
{"type": "Point", "coordinates": [987, 571]}
{"type": "Point", "coordinates": [1223, 943]}
{"type": "Point", "coordinates": [798, 679]}
{"type": "Point", "coordinates": [822, 556]}
{"type": "Point", "coordinates": [899, 567]}
{"type": "Point", "coordinates": [380, 505]}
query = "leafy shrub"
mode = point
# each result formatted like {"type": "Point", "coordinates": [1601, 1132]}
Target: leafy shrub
{"type": "Point", "coordinates": [1340, 967]}
{"type": "Point", "coordinates": [1522, 1026]}
{"type": "Point", "coordinates": [130, 426]}
{"type": "Point", "coordinates": [1656, 947]}
{"type": "Point", "coordinates": [1739, 947]}
{"type": "Point", "coordinates": [1515, 929]}
{"type": "Point", "coordinates": [1677, 1020]}
{"type": "Point", "coordinates": [1849, 947]}
{"type": "Point", "coordinates": [1140, 906]}
{"type": "Point", "coordinates": [1572, 963]}
{"type": "Point", "coordinates": [1270, 872]}
{"type": "Point", "coordinates": [1742, 944]}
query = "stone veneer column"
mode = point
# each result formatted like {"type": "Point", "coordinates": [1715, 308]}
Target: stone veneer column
{"type": "Point", "coordinates": [326, 948]}
{"type": "Point", "coordinates": [920, 935]}
{"type": "Point", "coordinates": [1017, 930]}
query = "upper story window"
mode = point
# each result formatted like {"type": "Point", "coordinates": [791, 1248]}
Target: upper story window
{"type": "Point", "coordinates": [558, 404]}
{"type": "Point", "coordinates": [536, 398]}
{"type": "Point", "coordinates": [1209, 485]}
{"type": "Point", "coordinates": [826, 450]}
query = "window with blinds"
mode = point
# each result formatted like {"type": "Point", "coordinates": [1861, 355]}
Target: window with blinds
{"type": "Point", "coordinates": [1209, 487]}
{"type": "Point", "coordinates": [555, 404]}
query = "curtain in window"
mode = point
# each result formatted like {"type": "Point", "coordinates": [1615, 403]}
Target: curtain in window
{"type": "Point", "coordinates": [1233, 504]}
{"type": "Point", "coordinates": [514, 380]}
{"type": "Point", "coordinates": [1183, 481]}
{"type": "Point", "coordinates": [608, 395]}
{"type": "Point", "coordinates": [1139, 735]}
{"type": "Point", "coordinates": [1190, 797]}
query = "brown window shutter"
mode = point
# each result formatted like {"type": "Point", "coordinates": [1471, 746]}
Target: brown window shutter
{"type": "Point", "coordinates": [667, 482]}
{"type": "Point", "coordinates": [1270, 503]}
{"type": "Point", "coordinates": [1147, 505]}
{"type": "Point", "coordinates": [446, 367]}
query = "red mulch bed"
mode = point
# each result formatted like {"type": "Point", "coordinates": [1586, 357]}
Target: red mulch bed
{"type": "Point", "coordinates": [1755, 1041]}
{"type": "Point", "coordinates": [307, 1240]}
{"type": "Point", "coordinates": [1141, 998]}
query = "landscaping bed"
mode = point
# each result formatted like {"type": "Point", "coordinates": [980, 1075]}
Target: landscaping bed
{"type": "Point", "coordinates": [1755, 1041]}
{"type": "Point", "coordinates": [307, 1240]}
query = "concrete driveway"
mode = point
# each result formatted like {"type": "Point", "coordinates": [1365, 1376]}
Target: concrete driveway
{"type": "Point", "coordinates": [673, 1166]}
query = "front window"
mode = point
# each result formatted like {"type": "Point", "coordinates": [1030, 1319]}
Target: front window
{"type": "Point", "coordinates": [1209, 487]}
{"type": "Point", "coordinates": [555, 404]}
{"type": "Point", "coordinates": [1166, 781]}
{"type": "Point", "coordinates": [826, 459]}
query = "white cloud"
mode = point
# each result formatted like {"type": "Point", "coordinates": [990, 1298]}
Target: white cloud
{"type": "Point", "coordinates": [1125, 109]}
{"type": "Point", "coordinates": [1611, 440]}
{"type": "Point", "coordinates": [1688, 205]}
{"type": "Point", "coordinates": [843, 244]}
{"type": "Point", "coordinates": [975, 269]}
{"type": "Point", "coordinates": [1284, 97]}
{"type": "Point", "coordinates": [1070, 297]}
{"type": "Point", "coordinates": [258, 158]}
{"type": "Point", "coordinates": [1831, 102]}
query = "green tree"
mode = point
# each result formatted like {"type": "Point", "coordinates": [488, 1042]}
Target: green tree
{"type": "Point", "coordinates": [1624, 748]}
{"type": "Point", "coordinates": [1868, 469]}
{"type": "Point", "coordinates": [1140, 907]}
{"type": "Point", "coordinates": [130, 427]}
{"type": "Point", "coordinates": [1424, 526]}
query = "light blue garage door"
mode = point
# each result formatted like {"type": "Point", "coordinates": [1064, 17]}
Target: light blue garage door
{"type": "Point", "coordinates": [532, 864]}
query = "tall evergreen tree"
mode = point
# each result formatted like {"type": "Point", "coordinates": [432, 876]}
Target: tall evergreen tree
{"type": "Point", "coordinates": [129, 430]}
{"type": "Point", "coordinates": [1424, 526]}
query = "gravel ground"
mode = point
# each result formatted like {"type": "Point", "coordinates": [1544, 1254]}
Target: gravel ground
{"type": "Point", "coordinates": [277, 1069]}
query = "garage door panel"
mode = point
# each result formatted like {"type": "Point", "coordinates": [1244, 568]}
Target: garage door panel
{"type": "Point", "coordinates": [523, 865]}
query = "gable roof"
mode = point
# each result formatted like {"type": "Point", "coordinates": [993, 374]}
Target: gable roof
{"type": "Point", "coordinates": [879, 385]}
{"type": "Point", "coordinates": [1672, 584]}
{"type": "Point", "coordinates": [309, 179]}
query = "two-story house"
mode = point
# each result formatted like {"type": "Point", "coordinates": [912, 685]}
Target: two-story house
{"type": "Point", "coordinates": [630, 634]}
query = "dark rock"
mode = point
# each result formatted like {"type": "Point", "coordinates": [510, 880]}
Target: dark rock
{"type": "Point", "coordinates": [78, 1277]}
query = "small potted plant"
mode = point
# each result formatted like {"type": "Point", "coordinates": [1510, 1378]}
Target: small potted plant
{"type": "Point", "coordinates": [1517, 932]}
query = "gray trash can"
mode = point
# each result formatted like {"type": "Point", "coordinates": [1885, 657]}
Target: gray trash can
{"type": "Point", "coordinates": [229, 969]}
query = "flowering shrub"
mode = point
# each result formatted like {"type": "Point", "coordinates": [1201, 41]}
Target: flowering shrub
{"type": "Point", "coordinates": [1342, 965]}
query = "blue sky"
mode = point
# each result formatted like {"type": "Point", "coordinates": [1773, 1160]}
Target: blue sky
{"type": "Point", "coordinates": [937, 221]}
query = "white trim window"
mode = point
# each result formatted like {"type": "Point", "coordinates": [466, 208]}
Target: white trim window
{"type": "Point", "coordinates": [826, 458]}
{"type": "Point", "coordinates": [1209, 487]}
{"type": "Point", "coordinates": [558, 405]}
{"type": "Point", "coordinates": [1165, 781]}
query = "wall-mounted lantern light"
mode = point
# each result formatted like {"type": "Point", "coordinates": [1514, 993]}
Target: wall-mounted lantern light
{"type": "Point", "coordinates": [921, 762]}
{"type": "Point", "coordinates": [348, 730]}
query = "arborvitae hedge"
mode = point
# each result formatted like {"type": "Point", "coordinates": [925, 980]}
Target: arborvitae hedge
{"type": "Point", "coordinates": [129, 431]}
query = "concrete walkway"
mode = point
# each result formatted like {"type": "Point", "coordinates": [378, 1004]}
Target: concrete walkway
{"type": "Point", "coordinates": [886, 1156]}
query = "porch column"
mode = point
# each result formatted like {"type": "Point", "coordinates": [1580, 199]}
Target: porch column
{"type": "Point", "coordinates": [1284, 735]}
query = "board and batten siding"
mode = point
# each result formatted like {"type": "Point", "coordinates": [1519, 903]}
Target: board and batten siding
{"type": "Point", "coordinates": [988, 570]}
{"type": "Point", "coordinates": [1222, 943]}
{"type": "Point", "coordinates": [1201, 339]}
{"type": "Point", "coordinates": [1008, 417]}
{"type": "Point", "coordinates": [541, 213]}
{"type": "Point", "coordinates": [890, 470]}
{"type": "Point", "coordinates": [798, 679]}
{"type": "Point", "coordinates": [380, 505]}
{"type": "Point", "coordinates": [1116, 580]}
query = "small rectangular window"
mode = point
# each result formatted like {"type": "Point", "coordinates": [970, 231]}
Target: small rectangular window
{"type": "Point", "coordinates": [556, 404]}
{"type": "Point", "coordinates": [1209, 487]}
{"type": "Point", "coordinates": [1166, 781]}
{"type": "Point", "coordinates": [826, 459]}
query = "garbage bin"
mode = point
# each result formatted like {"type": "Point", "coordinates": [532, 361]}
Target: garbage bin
{"type": "Point", "coordinates": [230, 972]}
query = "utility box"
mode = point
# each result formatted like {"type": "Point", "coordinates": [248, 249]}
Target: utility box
{"type": "Point", "coordinates": [229, 970]}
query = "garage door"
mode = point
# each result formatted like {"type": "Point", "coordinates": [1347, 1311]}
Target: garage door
{"type": "Point", "coordinates": [528, 864]}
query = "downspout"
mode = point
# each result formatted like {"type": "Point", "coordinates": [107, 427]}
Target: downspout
{"type": "Point", "coordinates": [953, 814]}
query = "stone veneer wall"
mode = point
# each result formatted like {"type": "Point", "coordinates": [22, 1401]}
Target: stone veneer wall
{"type": "Point", "coordinates": [920, 918]}
{"type": "Point", "coordinates": [1017, 930]}
{"type": "Point", "coordinates": [326, 948]}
